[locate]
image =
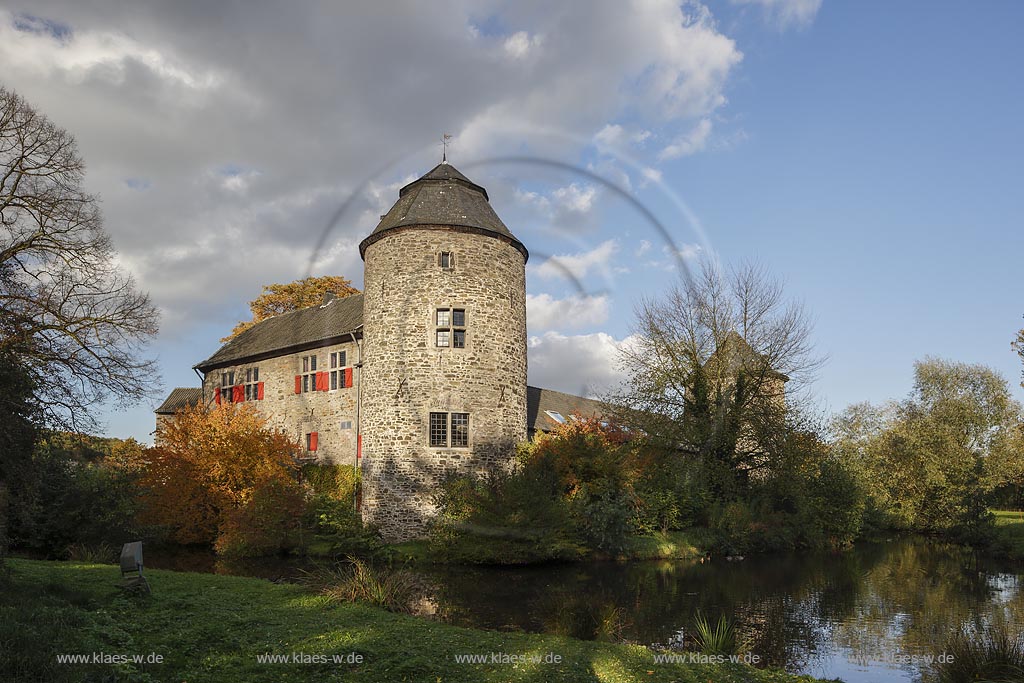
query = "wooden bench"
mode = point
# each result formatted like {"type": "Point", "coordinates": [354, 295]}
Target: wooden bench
{"type": "Point", "coordinates": [131, 563]}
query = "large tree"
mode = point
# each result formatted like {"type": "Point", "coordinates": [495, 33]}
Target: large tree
{"type": "Point", "coordinates": [929, 462]}
{"type": "Point", "coordinates": [68, 314]}
{"type": "Point", "coordinates": [276, 299]}
{"type": "Point", "coordinates": [714, 359]}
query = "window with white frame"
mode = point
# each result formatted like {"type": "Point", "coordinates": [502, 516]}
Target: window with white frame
{"type": "Point", "coordinates": [450, 328]}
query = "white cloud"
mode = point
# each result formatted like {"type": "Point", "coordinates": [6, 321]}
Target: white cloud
{"type": "Point", "coordinates": [575, 198]}
{"type": "Point", "coordinates": [785, 13]}
{"type": "Point", "coordinates": [544, 312]}
{"type": "Point", "coordinates": [586, 364]}
{"type": "Point", "coordinates": [578, 266]}
{"type": "Point", "coordinates": [520, 44]}
{"type": "Point", "coordinates": [690, 143]}
{"type": "Point", "coordinates": [643, 248]}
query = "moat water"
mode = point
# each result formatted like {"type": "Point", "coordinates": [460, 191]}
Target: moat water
{"type": "Point", "coordinates": [876, 613]}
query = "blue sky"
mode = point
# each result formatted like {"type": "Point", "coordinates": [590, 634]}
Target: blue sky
{"type": "Point", "coordinates": [869, 154]}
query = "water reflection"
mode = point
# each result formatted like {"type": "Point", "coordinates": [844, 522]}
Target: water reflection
{"type": "Point", "coordinates": [859, 615]}
{"type": "Point", "coordinates": [850, 615]}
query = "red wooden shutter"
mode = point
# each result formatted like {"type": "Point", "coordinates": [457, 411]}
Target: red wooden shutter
{"type": "Point", "coordinates": [259, 391]}
{"type": "Point", "coordinates": [239, 393]}
{"type": "Point", "coordinates": [322, 383]}
{"type": "Point", "coordinates": [216, 395]}
{"type": "Point", "coordinates": [298, 384]}
{"type": "Point", "coordinates": [312, 441]}
{"type": "Point", "coordinates": [348, 377]}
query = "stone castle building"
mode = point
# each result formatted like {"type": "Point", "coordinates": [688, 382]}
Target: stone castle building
{"type": "Point", "coordinates": [422, 374]}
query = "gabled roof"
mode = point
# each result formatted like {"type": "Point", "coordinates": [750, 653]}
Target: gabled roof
{"type": "Point", "coordinates": [181, 397]}
{"type": "Point", "coordinates": [290, 332]}
{"type": "Point", "coordinates": [443, 198]}
{"type": "Point", "coordinates": [539, 401]}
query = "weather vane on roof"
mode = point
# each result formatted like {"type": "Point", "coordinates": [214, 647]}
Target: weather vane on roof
{"type": "Point", "coordinates": [446, 140]}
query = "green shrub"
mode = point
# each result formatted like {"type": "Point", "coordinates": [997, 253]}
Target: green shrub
{"type": "Point", "coordinates": [503, 519]}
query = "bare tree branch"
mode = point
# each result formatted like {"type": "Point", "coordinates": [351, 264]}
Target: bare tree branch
{"type": "Point", "coordinates": [66, 310]}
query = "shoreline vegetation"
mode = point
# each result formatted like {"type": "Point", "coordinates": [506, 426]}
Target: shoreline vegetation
{"type": "Point", "coordinates": [208, 627]}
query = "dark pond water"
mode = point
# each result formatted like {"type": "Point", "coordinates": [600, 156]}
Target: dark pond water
{"type": "Point", "coordinates": [860, 616]}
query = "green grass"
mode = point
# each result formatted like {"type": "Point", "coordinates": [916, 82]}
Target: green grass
{"type": "Point", "coordinates": [1009, 540]}
{"type": "Point", "coordinates": [671, 545]}
{"type": "Point", "coordinates": [211, 628]}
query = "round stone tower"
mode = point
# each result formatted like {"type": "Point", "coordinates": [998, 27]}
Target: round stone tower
{"type": "Point", "coordinates": [444, 347]}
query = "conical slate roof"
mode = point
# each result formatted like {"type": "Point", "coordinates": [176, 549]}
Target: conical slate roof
{"type": "Point", "coordinates": [444, 197]}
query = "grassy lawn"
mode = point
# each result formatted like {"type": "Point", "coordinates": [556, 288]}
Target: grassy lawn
{"type": "Point", "coordinates": [1010, 533]}
{"type": "Point", "coordinates": [213, 628]}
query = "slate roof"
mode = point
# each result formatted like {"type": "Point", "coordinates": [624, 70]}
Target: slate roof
{"type": "Point", "coordinates": [181, 397]}
{"type": "Point", "coordinates": [290, 332]}
{"type": "Point", "coordinates": [539, 400]}
{"type": "Point", "coordinates": [443, 197]}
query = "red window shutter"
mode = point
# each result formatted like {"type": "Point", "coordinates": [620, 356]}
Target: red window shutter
{"type": "Point", "coordinates": [239, 393]}
{"type": "Point", "coordinates": [312, 441]}
{"type": "Point", "coordinates": [348, 377]}
{"type": "Point", "coordinates": [321, 381]}
{"type": "Point", "coordinates": [298, 384]}
{"type": "Point", "coordinates": [259, 391]}
{"type": "Point", "coordinates": [216, 395]}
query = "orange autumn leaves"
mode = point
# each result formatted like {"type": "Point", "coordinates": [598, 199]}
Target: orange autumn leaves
{"type": "Point", "coordinates": [221, 476]}
{"type": "Point", "coordinates": [276, 299]}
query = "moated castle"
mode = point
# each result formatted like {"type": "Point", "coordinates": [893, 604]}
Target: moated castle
{"type": "Point", "coordinates": [422, 374]}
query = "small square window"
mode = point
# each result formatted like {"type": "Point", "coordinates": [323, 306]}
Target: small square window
{"type": "Point", "coordinates": [446, 259]}
{"type": "Point", "coordinates": [459, 317]}
{"type": "Point", "coordinates": [334, 360]}
{"type": "Point", "coordinates": [444, 318]}
{"type": "Point", "coordinates": [443, 337]}
{"type": "Point", "coordinates": [459, 339]}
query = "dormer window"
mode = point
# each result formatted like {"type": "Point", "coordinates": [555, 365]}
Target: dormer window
{"type": "Point", "coordinates": [446, 260]}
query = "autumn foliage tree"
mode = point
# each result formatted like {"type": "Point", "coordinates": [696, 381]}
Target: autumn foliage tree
{"type": "Point", "coordinates": [221, 476]}
{"type": "Point", "coordinates": [277, 299]}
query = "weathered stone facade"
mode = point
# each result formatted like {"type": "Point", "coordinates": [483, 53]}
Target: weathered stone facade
{"type": "Point", "coordinates": [407, 376]}
{"type": "Point", "coordinates": [330, 414]}
{"type": "Point", "coordinates": [441, 247]}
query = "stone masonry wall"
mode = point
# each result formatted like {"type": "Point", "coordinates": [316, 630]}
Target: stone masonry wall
{"type": "Point", "coordinates": [406, 376]}
{"type": "Point", "coordinates": [323, 412]}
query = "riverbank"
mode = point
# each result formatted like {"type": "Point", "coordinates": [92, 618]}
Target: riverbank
{"type": "Point", "coordinates": [218, 628]}
{"type": "Point", "coordinates": [1009, 537]}
{"type": "Point", "coordinates": [670, 545]}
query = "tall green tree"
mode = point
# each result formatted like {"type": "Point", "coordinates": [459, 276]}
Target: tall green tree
{"type": "Point", "coordinates": [931, 461]}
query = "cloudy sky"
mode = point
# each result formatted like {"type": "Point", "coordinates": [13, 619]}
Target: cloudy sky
{"type": "Point", "coordinates": [867, 153]}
